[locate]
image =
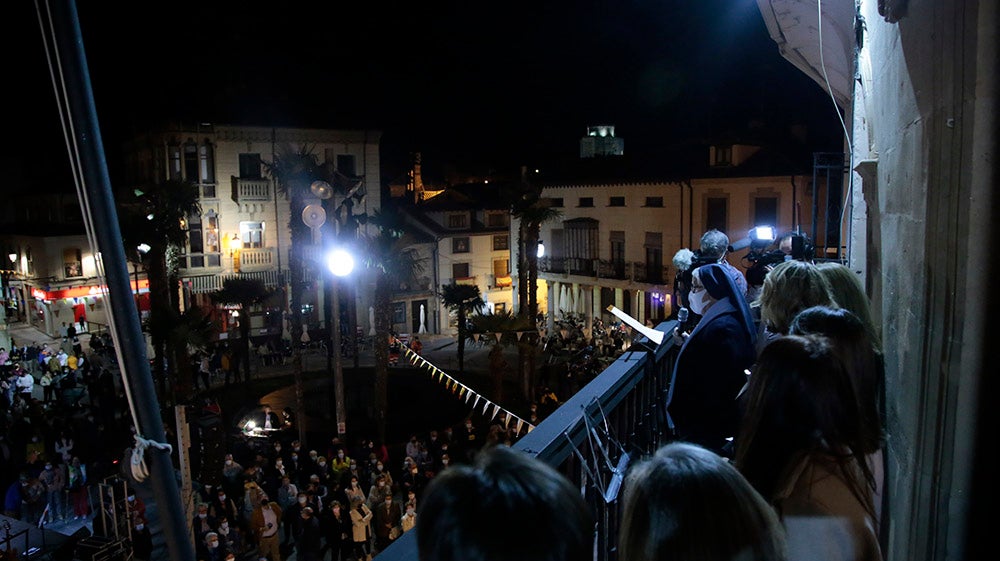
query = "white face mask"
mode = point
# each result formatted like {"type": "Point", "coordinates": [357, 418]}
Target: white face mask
{"type": "Point", "coordinates": [697, 301]}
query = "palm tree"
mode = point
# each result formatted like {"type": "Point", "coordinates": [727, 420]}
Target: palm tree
{"type": "Point", "coordinates": [244, 293]}
{"type": "Point", "coordinates": [390, 254]}
{"type": "Point", "coordinates": [462, 300]}
{"type": "Point", "coordinates": [532, 211]}
{"type": "Point", "coordinates": [156, 217]}
{"type": "Point", "coordinates": [501, 328]}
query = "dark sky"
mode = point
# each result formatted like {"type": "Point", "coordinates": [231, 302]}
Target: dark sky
{"type": "Point", "coordinates": [507, 83]}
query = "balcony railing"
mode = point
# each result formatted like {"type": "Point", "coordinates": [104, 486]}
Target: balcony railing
{"type": "Point", "coordinates": [251, 190]}
{"type": "Point", "coordinates": [627, 398]}
{"type": "Point", "coordinates": [601, 269]}
{"type": "Point", "coordinates": [256, 259]}
{"type": "Point", "coordinates": [210, 283]}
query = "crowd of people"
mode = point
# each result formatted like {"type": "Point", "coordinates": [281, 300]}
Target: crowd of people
{"type": "Point", "coordinates": [349, 501]}
{"type": "Point", "coordinates": [55, 447]}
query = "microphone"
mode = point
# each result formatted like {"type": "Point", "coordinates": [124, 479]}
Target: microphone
{"type": "Point", "coordinates": [682, 316]}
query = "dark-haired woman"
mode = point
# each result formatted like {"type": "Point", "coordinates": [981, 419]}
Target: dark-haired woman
{"type": "Point", "coordinates": [802, 446]}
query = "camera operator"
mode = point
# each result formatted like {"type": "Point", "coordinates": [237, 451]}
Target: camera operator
{"type": "Point", "coordinates": [791, 245]}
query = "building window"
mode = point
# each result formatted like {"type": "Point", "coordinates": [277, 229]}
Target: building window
{"type": "Point", "coordinates": [211, 228]}
{"type": "Point", "coordinates": [715, 213]}
{"type": "Point", "coordinates": [346, 165]}
{"type": "Point", "coordinates": [174, 159]}
{"type": "Point", "coordinates": [497, 219]}
{"type": "Point", "coordinates": [654, 202]}
{"type": "Point", "coordinates": [252, 234]}
{"type": "Point", "coordinates": [460, 270]}
{"type": "Point", "coordinates": [723, 155]}
{"type": "Point", "coordinates": [30, 260]}
{"type": "Point", "coordinates": [556, 202]}
{"type": "Point", "coordinates": [616, 201]}
{"type": "Point", "coordinates": [765, 211]}
{"type": "Point", "coordinates": [191, 161]}
{"type": "Point", "coordinates": [617, 246]}
{"type": "Point", "coordinates": [586, 201]}
{"type": "Point", "coordinates": [206, 164]}
{"type": "Point", "coordinates": [73, 263]}
{"type": "Point", "coordinates": [458, 220]}
{"type": "Point", "coordinates": [501, 243]}
{"type": "Point", "coordinates": [250, 166]}
{"type": "Point", "coordinates": [460, 245]}
{"type": "Point", "coordinates": [501, 273]}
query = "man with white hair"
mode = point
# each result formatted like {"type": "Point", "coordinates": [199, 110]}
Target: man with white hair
{"type": "Point", "coordinates": [715, 245]}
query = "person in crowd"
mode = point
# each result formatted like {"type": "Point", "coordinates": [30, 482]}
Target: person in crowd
{"type": "Point", "coordinates": [676, 502]}
{"type": "Point", "coordinates": [361, 530]}
{"type": "Point", "coordinates": [715, 246]}
{"type": "Point", "coordinates": [789, 288]}
{"type": "Point", "coordinates": [77, 483]}
{"type": "Point", "coordinates": [136, 506]}
{"type": "Point", "coordinates": [409, 519]}
{"type": "Point", "coordinates": [848, 293]}
{"type": "Point", "coordinates": [387, 521]}
{"type": "Point", "coordinates": [230, 535]}
{"type": "Point", "coordinates": [354, 490]}
{"type": "Point", "coordinates": [213, 550]}
{"type": "Point", "coordinates": [466, 505]}
{"type": "Point", "coordinates": [203, 522]}
{"type": "Point", "coordinates": [64, 447]}
{"type": "Point", "coordinates": [290, 519]}
{"type": "Point", "coordinates": [142, 540]}
{"type": "Point", "coordinates": [265, 523]}
{"type": "Point", "coordinates": [54, 480]}
{"type": "Point", "coordinates": [711, 367]}
{"type": "Point", "coordinates": [288, 493]}
{"type": "Point", "coordinates": [335, 523]}
{"type": "Point", "coordinates": [416, 346]}
{"type": "Point", "coordinates": [223, 506]}
{"type": "Point", "coordinates": [378, 492]}
{"type": "Point", "coordinates": [232, 475]}
{"type": "Point", "coordinates": [802, 447]}
{"type": "Point", "coordinates": [308, 542]}
{"type": "Point", "coordinates": [13, 505]}
{"type": "Point", "coordinates": [852, 341]}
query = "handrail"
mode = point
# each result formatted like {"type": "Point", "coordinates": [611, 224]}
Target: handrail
{"type": "Point", "coordinates": [628, 396]}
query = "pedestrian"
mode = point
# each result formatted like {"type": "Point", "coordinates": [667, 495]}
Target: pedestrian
{"type": "Point", "coordinates": [265, 523]}
{"type": "Point", "coordinates": [361, 518]}
{"type": "Point", "coordinates": [55, 483]}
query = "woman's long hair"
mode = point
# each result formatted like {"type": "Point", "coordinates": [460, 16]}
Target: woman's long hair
{"type": "Point", "coordinates": [802, 403]}
{"type": "Point", "coordinates": [676, 502]}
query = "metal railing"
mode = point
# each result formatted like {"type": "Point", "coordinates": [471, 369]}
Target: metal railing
{"type": "Point", "coordinates": [624, 401]}
{"type": "Point", "coordinates": [635, 271]}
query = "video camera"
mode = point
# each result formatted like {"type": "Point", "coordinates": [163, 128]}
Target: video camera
{"type": "Point", "coordinates": [801, 249]}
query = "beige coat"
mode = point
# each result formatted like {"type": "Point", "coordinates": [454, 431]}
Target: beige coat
{"type": "Point", "coordinates": [360, 523]}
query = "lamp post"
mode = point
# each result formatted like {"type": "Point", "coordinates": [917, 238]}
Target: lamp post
{"type": "Point", "coordinates": [340, 263]}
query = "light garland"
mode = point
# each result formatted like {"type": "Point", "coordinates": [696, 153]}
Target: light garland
{"type": "Point", "coordinates": [461, 390]}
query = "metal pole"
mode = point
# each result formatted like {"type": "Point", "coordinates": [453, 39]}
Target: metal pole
{"type": "Point", "coordinates": [81, 120]}
{"type": "Point", "coordinates": [338, 360]}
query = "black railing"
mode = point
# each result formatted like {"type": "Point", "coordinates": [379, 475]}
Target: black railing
{"type": "Point", "coordinates": [626, 403]}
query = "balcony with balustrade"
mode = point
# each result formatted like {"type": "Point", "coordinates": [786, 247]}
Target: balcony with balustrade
{"type": "Point", "coordinates": [251, 190]}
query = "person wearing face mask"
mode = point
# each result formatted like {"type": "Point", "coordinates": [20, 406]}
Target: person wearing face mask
{"type": "Point", "coordinates": [711, 367]}
{"type": "Point", "coordinates": [380, 470]}
{"type": "Point", "coordinates": [378, 492]}
{"type": "Point", "coordinates": [265, 523]}
{"type": "Point", "coordinates": [203, 522]}
{"type": "Point", "coordinates": [55, 482]}
{"type": "Point", "coordinates": [292, 521]}
{"type": "Point", "coordinates": [213, 550]}
{"type": "Point", "coordinates": [409, 519]}
{"type": "Point", "coordinates": [335, 523]}
{"type": "Point", "coordinates": [341, 462]}
{"type": "Point", "coordinates": [387, 519]}
{"type": "Point", "coordinates": [354, 490]}
{"type": "Point", "coordinates": [230, 536]}
{"type": "Point", "coordinates": [222, 506]}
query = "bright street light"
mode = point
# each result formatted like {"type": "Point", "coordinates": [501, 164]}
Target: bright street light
{"type": "Point", "coordinates": [540, 252]}
{"type": "Point", "coordinates": [340, 262]}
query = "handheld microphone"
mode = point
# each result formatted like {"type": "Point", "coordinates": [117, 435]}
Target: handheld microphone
{"type": "Point", "coordinates": [682, 316]}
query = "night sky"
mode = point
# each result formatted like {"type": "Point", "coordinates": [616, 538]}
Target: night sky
{"type": "Point", "coordinates": [498, 84]}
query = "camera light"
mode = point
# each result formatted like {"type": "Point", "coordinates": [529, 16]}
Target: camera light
{"type": "Point", "coordinates": [762, 233]}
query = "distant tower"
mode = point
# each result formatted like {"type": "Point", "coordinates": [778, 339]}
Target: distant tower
{"type": "Point", "coordinates": [416, 186]}
{"type": "Point", "coordinates": [601, 141]}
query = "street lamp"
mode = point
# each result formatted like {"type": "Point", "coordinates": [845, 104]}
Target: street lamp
{"type": "Point", "coordinates": [540, 250]}
{"type": "Point", "coordinates": [340, 263]}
